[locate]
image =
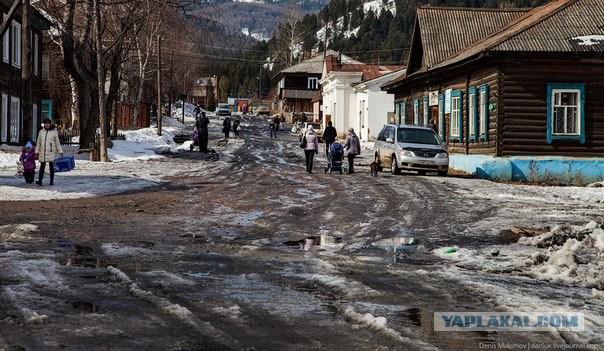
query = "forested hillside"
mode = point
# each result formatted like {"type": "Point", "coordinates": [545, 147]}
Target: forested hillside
{"type": "Point", "coordinates": [378, 34]}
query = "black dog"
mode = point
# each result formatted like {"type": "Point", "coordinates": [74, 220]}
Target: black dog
{"type": "Point", "coordinates": [374, 169]}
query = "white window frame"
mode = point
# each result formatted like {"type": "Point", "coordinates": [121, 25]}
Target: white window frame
{"type": "Point", "coordinates": [471, 114]}
{"type": "Point", "coordinates": [15, 117]}
{"type": "Point", "coordinates": [416, 111]}
{"type": "Point", "coordinates": [556, 94]}
{"type": "Point", "coordinates": [455, 113]}
{"type": "Point", "coordinates": [16, 44]}
{"type": "Point", "coordinates": [6, 44]}
{"type": "Point", "coordinates": [4, 116]}
{"type": "Point", "coordinates": [482, 111]}
{"type": "Point", "coordinates": [313, 83]}
{"type": "Point", "coordinates": [426, 110]}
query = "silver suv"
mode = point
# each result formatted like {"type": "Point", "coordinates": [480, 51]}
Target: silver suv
{"type": "Point", "coordinates": [411, 148]}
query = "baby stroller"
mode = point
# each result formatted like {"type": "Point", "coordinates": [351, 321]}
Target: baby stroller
{"type": "Point", "coordinates": [335, 157]}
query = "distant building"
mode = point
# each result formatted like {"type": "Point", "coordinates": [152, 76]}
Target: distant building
{"type": "Point", "coordinates": [14, 129]}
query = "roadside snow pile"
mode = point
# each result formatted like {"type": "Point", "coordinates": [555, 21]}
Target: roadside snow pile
{"type": "Point", "coordinates": [574, 255]}
{"type": "Point", "coordinates": [566, 254]}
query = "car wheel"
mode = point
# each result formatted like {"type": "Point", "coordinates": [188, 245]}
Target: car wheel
{"type": "Point", "coordinates": [421, 172]}
{"type": "Point", "coordinates": [442, 173]}
{"type": "Point", "coordinates": [394, 166]}
{"type": "Point", "coordinates": [377, 161]}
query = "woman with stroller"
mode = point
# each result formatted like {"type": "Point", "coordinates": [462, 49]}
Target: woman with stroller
{"type": "Point", "coordinates": [311, 148]}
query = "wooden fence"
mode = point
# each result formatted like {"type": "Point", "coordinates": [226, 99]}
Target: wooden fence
{"type": "Point", "coordinates": [125, 113]}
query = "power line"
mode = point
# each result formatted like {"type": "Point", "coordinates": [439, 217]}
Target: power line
{"type": "Point", "coordinates": [281, 52]}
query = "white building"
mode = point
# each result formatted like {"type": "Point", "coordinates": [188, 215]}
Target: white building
{"type": "Point", "coordinates": [341, 100]}
{"type": "Point", "coordinates": [375, 107]}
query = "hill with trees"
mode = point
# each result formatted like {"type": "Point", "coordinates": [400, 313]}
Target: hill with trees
{"type": "Point", "coordinates": [377, 32]}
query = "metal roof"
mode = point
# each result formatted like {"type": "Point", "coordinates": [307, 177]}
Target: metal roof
{"type": "Point", "coordinates": [559, 26]}
{"type": "Point", "coordinates": [445, 30]}
{"type": "Point", "coordinates": [315, 64]}
{"type": "Point", "coordinates": [568, 29]}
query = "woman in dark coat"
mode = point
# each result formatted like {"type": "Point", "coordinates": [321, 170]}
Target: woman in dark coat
{"type": "Point", "coordinates": [226, 126]}
{"type": "Point", "coordinates": [354, 148]}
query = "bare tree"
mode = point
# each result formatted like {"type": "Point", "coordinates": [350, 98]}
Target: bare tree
{"type": "Point", "coordinates": [124, 21]}
{"type": "Point", "coordinates": [290, 36]}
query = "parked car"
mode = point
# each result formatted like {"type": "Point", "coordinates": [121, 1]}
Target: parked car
{"type": "Point", "coordinates": [410, 148]}
{"type": "Point", "coordinates": [263, 109]}
{"type": "Point", "coordinates": [316, 126]}
{"type": "Point", "coordinates": [223, 110]}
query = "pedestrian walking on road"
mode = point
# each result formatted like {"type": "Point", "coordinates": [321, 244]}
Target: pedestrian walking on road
{"type": "Point", "coordinates": [311, 148]}
{"type": "Point", "coordinates": [202, 129]}
{"type": "Point", "coordinates": [354, 148]}
{"type": "Point", "coordinates": [48, 147]}
{"type": "Point", "coordinates": [329, 135]}
{"type": "Point", "coordinates": [236, 124]}
{"type": "Point", "coordinates": [226, 126]}
{"type": "Point", "coordinates": [272, 129]}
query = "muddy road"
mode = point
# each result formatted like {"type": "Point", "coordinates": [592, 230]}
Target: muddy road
{"type": "Point", "coordinates": [258, 256]}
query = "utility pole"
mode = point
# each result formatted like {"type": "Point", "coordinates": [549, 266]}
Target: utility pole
{"type": "Point", "coordinates": [26, 67]}
{"type": "Point", "coordinates": [159, 114]}
{"type": "Point", "coordinates": [260, 86]}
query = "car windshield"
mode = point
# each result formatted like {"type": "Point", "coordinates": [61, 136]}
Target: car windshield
{"type": "Point", "coordinates": [418, 136]}
{"type": "Point", "coordinates": [315, 125]}
{"type": "Point", "coordinates": [223, 106]}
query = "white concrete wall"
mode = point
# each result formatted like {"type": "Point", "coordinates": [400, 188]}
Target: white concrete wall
{"type": "Point", "coordinates": [380, 104]}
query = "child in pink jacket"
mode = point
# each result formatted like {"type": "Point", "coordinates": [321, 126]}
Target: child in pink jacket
{"type": "Point", "coordinates": [28, 159]}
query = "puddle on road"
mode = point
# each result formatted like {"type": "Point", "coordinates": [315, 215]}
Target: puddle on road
{"type": "Point", "coordinates": [86, 307]}
{"type": "Point", "coordinates": [306, 244]}
{"type": "Point", "coordinates": [414, 315]}
{"type": "Point", "coordinates": [62, 242]}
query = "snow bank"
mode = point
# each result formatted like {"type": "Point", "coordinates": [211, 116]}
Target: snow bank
{"type": "Point", "coordinates": [575, 255]}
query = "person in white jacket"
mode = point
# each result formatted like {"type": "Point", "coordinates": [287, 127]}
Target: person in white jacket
{"type": "Point", "coordinates": [47, 148]}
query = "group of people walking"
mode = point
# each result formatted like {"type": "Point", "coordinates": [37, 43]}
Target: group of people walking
{"type": "Point", "coordinates": [310, 144]}
{"type": "Point", "coordinates": [200, 132]}
{"type": "Point", "coordinates": [310, 140]}
{"type": "Point", "coordinates": [45, 151]}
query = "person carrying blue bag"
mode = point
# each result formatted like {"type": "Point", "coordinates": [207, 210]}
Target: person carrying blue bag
{"type": "Point", "coordinates": [47, 149]}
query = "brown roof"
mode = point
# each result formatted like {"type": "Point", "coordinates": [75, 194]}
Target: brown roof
{"type": "Point", "coordinates": [369, 71]}
{"type": "Point", "coordinates": [555, 27]}
{"type": "Point", "coordinates": [445, 30]}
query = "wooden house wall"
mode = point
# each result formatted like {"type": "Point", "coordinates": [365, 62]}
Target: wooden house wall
{"type": "Point", "coordinates": [10, 76]}
{"type": "Point", "coordinates": [490, 77]}
{"type": "Point", "coordinates": [299, 82]}
{"type": "Point", "coordinates": [461, 81]}
{"type": "Point", "coordinates": [523, 124]}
